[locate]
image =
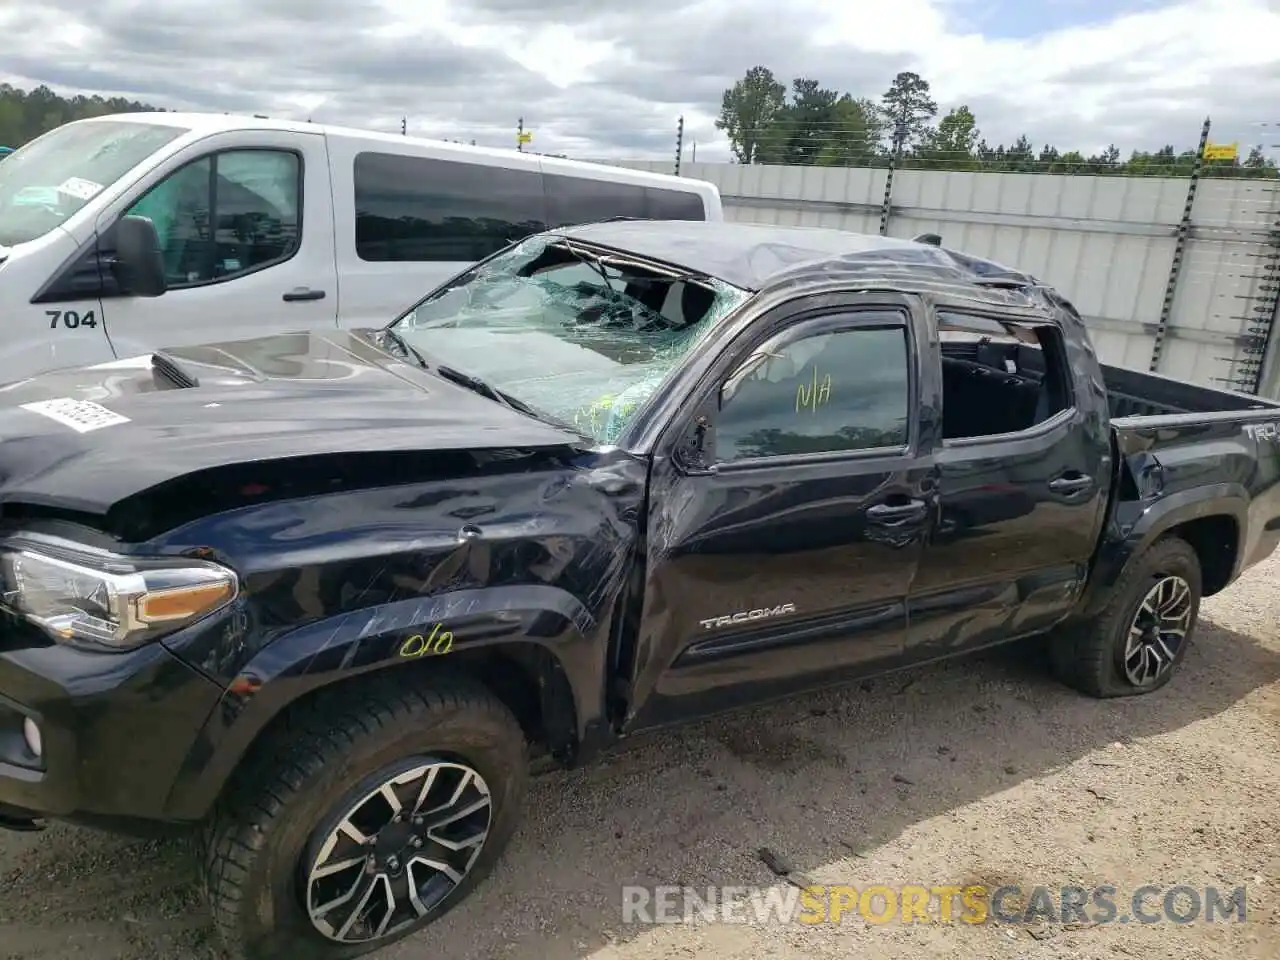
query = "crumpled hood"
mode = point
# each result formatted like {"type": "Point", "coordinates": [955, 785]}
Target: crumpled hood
{"type": "Point", "coordinates": [96, 435]}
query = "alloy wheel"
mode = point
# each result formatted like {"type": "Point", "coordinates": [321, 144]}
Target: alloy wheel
{"type": "Point", "coordinates": [398, 851]}
{"type": "Point", "coordinates": [1158, 631]}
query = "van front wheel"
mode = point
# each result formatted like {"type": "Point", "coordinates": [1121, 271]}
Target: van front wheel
{"type": "Point", "coordinates": [371, 818]}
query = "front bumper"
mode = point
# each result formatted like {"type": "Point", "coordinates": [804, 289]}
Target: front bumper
{"type": "Point", "coordinates": [115, 729]}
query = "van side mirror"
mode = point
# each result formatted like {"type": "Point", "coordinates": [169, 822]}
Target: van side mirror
{"type": "Point", "coordinates": [139, 265]}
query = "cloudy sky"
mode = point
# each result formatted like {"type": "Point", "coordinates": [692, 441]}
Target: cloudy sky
{"type": "Point", "coordinates": [595, 83]}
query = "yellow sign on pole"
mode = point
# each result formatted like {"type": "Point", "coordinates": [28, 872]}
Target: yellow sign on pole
{"type": "Point", "coordinates": [525, 137]}
{"type": "Point", "coordinates": [1221, 151]}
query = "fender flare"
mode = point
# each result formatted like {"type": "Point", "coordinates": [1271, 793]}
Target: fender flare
{"type": "Point", "coordinates": [369, 641]}
{"type": "Point", "coordinates": [1131, 536]}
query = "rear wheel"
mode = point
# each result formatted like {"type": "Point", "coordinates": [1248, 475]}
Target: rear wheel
{"type": "Point", "coordinates": [373, 818]}
{"type": "Point", "coordinates": [1139, 640]}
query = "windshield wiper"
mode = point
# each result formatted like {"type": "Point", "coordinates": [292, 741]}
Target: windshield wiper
{"type": "Point", "coordinates": [404, 345]}
{"type": "Point", "coordinates": [485, 388]}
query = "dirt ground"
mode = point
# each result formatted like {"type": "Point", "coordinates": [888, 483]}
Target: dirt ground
{"type": "Point", "coordinates": [981, 771]}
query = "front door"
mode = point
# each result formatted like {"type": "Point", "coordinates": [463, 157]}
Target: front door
{"type": "Point", "coordinates": [783, 561]}
{"type": "Point", "coordinates": [244, 257]}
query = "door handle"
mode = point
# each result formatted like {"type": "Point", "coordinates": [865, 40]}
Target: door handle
{"type": "Point", "coordinates": [1069, 485]}
{"type": "Point", "coordinates": [303, 293]}
{"type": "Point", "coordinates": [896, 514]}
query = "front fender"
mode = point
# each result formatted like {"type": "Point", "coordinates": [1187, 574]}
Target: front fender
{"type": "Point", "coordinates": [391, 636]}
{"type": "Point", "coordinates": [1136, 525]}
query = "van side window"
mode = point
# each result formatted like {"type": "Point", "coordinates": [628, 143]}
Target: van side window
{"type": "Point", "coordinates": [418, 209]}
{"type": "Point", "coordinates": [673, 205]}
{"type": "Point", "coordinates": [578, 200]}
{"type": "Point", "coordinates": [573, 200]}
{"type": "Point", "coordinates": [226, 214]}
{"type": "Point", "coordinates": [999, 377]}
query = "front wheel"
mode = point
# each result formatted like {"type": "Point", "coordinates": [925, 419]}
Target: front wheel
{"type": "Point", "coordinates": [1139, 640]}
{"type": "Point", "coordinates": [370, 821]}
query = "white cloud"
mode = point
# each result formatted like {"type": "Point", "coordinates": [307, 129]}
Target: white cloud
{"type": "Point", "coordinates": [608, 80]}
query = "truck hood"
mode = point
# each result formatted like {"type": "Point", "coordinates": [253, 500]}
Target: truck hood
{"type": "Point", "coordinates": [86, 438]}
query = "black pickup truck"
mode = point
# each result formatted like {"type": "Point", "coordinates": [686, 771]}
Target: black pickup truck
{"type": "Point", "coordinates": [328, 597]}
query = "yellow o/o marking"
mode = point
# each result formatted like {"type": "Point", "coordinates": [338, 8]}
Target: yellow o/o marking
{"type": "Point", "coordinates": [435, 645]}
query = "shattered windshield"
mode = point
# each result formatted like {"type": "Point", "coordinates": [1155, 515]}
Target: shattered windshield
{"type": "Point", "coordinates": [568, 331]}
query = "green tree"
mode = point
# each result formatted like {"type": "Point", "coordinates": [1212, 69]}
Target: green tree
{"type": "Point", "coordinates": [908, 107]}
{"type": "Point", "coordinates": [856, 131]}
{"type": "Point", "coordinates": [810, 118]}
{"type": "Point", "coordinates": [953, 144]}
{"type": "Point", "coordinates": [817, 125]}
{"type": "Point", "coordinates": [26, 114]}
{"type": "Point", "coordinates": [749, 110]}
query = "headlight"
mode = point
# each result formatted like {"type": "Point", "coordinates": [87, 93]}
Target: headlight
{"type": "Point", "coordinates": [89, 597]}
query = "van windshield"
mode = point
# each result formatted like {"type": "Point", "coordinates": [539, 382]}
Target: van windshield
{"type": "Point", "coordinates": [582, 335]}
{"type": "Point", "coordinates": [53, 176]}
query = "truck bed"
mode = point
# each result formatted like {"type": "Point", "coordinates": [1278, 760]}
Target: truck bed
{"type": "Point", "coordinates": [1133, 394]}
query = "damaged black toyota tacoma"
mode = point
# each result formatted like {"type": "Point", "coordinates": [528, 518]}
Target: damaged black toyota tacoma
{"type": "Point", "coordinates": [327, 598]}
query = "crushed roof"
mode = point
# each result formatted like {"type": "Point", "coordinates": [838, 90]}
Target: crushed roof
{"type": "Point", "coordinates": [755, 256]}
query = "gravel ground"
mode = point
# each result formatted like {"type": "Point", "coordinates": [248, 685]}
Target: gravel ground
{"type": "Point", "coordinates": [973, 772]}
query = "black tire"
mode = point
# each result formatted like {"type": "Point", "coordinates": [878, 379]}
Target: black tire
{"type": "Point", "coordinates": [255, 844]}
{"type": "Point", "coordinates": [1089, 655]}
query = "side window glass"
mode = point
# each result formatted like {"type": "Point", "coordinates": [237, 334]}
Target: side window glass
{"type": "Point", "coordinates": [573, 200]}
{"type": "Point", "coordinates": [673, 205]}
{"type": "Point", "coordinates": [179, 208]}
{"type": "Point", "coordinates": [999, 378]}
{"type": "Point", "coordinates": [831, 392]}
{"type": "Point", "coordinates": [226, 214]}
{"type": "Point", "coordinates": [419, 209]}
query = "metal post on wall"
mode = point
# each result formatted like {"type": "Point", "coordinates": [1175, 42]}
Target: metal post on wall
{"type": "Point", "coordinates": [885, 204]}
{"type": "Point", "coordinates": [679, 142]}
{"type": "Point", "coordinates": [1263, 315]}
{"type": "Point", "coordinates": [1181, 236]}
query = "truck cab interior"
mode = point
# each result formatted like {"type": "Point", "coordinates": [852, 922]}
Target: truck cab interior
{"type": "Point", "coordinates": [999, 378]}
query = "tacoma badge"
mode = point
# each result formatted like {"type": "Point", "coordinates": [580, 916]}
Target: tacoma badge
{"type": "Point", "coordinates": [746, 616]}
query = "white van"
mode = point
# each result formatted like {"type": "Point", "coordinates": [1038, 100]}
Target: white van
{"type": "Point", "coordinates": [266, 226]}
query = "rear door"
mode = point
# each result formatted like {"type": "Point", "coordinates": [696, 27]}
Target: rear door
{"type": "Point", "coordinates": [1023, 475]}
{"type": "Point", "coordinates": [784, 560]}
{"type": "Point", "coordinates": [246, 232]}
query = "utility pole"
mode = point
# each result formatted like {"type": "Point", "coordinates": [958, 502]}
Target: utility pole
{"type": "Point", "coordinates": [520, 134]}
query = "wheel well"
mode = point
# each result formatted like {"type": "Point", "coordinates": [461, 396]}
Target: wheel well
{"type": "Point", "coordinates": [1216, 541]}
{"type": "Point", "coordinates": [523, 675]}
